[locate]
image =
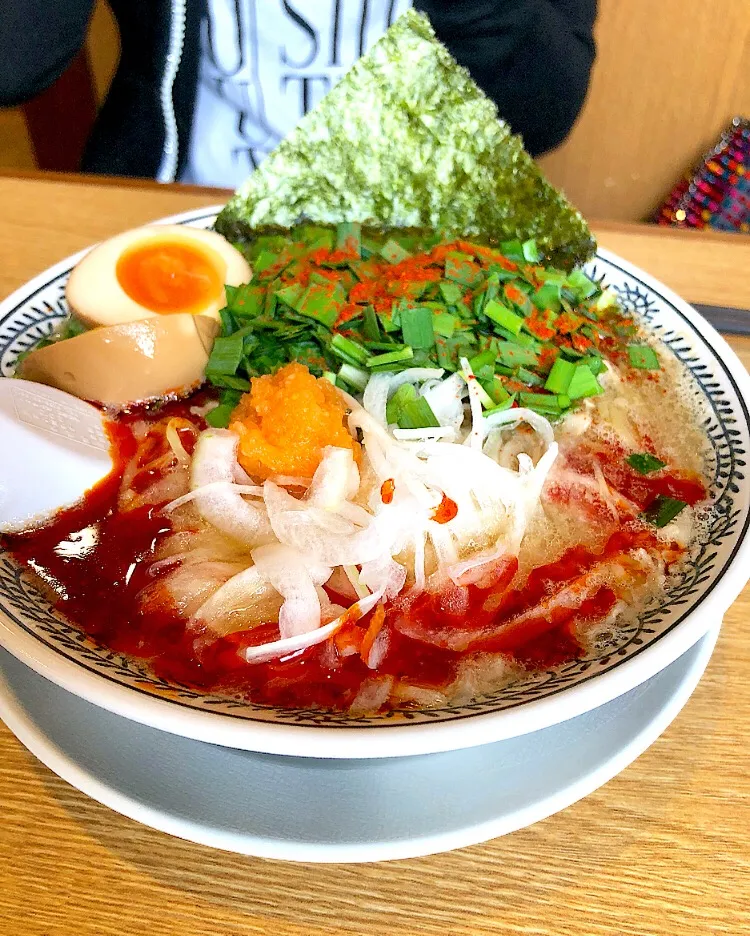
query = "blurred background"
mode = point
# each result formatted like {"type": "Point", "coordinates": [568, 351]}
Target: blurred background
{"type": "Point", "coordinates": [669, 77]}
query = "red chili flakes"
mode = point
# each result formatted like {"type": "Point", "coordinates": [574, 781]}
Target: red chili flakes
{"type": "Point", "coordinates": [537, 325]}
{"type": "Point", "coordinates": [445, 511]}
{"type": "Point", "coordinates": [387, 489]}
{"type": "Point", "coordinates": [566, 324]}
{"type": "Point", "coordinates": [581, 342]}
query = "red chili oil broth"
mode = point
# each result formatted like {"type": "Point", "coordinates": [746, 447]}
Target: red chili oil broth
{"type": "Point", "coordinates": [96, 561]}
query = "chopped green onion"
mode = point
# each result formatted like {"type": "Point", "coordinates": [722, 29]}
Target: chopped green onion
{"type": "Point", "coordinates": [547, 297]}
{"type": "Point", "coordinates": [643, 357]}
{"type": "Point", "coordinates": [546, 404]}
{"type": "Point", "coordinates": [290, 295]}
{"type": "Point", "coordinates": [529, 377]}
{"type": "Point", "coordinates": [495, 389]}
{"type": "Point", "coordinates": [229, 382]}
{"type": "Point", "coordinates": [644, 463]}
{"type": "Point", "coordinates": [349, 237]}
{"type": "Point", "coordinates": [219, 417]}
{"type": "Point", "coordinates": [483, 359]}
{"type": "Point", "coordinates": [531, 251]}
{"type": "Point", "coordinates": [354, 376]}
{"type": "Point", "coordinates": [560, 376]}
{"type": "Point", "coordinates": [391, 357]}
{"type": "Point", "coordinates": [417, 414]}
{"type": "Point", "coordinates": [594, 363]}
{"type": "Point", "coordinates": [371, 326]}
{"type": "Point", "coordinates": [581, 285]}
{"type": "Point", "coordinates": [517, 297]}
{"type": "Point", "coordinates": [322, 303]}
{"type": "Point", "coordinates": [409, 411]}
{"type": "Point", "coordinates": [450, 292]}
{"type": "Point", "coordinates": [404, 394]}
{"type": "Point", "coordinates": [606, 300]}
{"type": "Point", "coordinates": [486, 400]}
{"type": "Point", "coordinates": [349, 351]}
{"type": "Point", "coordinates": [416, 327]}
{"type": "Point", "coordinates": [263, 261]}
{"type": "Point", "coordinates": [513, 250]}
{"type": "Point", "coordinates": [394, 253]}
{"type": "Point", "coordinates": [460, 268]}
{"type": "Point", "coordinates": [444, 323]}
{"type": "Point", "coordinates": [225, 356]}
{"type": "Point", "coordinates": [513, 355]}
{"type": "Point", "coordinates": [663, 510]}
{"type": "Point", "coordinates": [505, 405]}
{"type": "Point", "coordinates": [583, 384]}
{"type": "Point", "coordinates": [503, 316]}
{"type": "Point", "coordinates": [245, 301]}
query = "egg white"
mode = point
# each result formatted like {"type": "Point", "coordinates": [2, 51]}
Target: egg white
{"type": "Point", "coordinates": [96, 297]}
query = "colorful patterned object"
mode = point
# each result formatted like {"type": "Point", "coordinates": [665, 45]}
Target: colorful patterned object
{"type": "Point", "coordinates": [717, 193]}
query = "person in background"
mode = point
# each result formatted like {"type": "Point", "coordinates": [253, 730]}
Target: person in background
{"type": "Point", "coordinates": [205, 89]}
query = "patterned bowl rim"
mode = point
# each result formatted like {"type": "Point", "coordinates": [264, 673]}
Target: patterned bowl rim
{"type": "Point", "coordinates": [380, 738]}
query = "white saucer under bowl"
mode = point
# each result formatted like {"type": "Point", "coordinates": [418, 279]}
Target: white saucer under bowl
{"type": "Point", "coordinates": [303, 809]}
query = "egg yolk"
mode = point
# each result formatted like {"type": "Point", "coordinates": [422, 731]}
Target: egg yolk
{"type": "Point", "coordinates": [286, 421]}
{"type": "Point", "coordinates": [168, 276]}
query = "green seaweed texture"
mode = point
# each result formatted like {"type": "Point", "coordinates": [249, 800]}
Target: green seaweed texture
{"type": "Point", "coordinates": [407, 139]}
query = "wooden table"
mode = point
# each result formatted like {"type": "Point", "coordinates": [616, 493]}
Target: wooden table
{"type": "Point", "coordinates": [661, 849]}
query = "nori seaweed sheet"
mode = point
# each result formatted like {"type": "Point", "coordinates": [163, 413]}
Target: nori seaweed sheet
{"type": "Point", "coordinates": [407, 139]}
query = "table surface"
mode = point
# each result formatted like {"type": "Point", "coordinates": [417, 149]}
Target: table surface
{"type": "Point", "coordinates": [660, 849]}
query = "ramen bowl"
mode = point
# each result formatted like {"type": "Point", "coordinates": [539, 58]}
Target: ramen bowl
{"type": "Point", "coordinates": [695, 601]}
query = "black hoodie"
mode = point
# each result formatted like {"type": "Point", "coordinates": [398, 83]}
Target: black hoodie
{"type": "Point", "coordinates": [532, 57]}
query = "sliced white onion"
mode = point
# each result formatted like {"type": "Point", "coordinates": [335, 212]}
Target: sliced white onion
{"type": "Point", "coordinates": [378, 650]}
{"type": "Point", "coordinates": [446, 433]}
{"type": "Point", "coordinates": [297, 524]}
{"type": "Point", "coordinates": [215, 459]}
{"type": "Point", "coordinates": [291, 481]}
{"type": "Point", "coordinates": [383, 575]}
{"type": "Point", "coordinates": [175, 443]}
{"type": "Point", "coordinates": [245, 600]}
{"type": "Point", "coordinates": [476, 436]}
{"type": "Point", "coordinates": [511, 417]}
{"type": "Point", "coordinates": [294, 578]}
{"type": "Point", "coordinates": [446, 399]}
{"type": "Point", "coordinates": [253, 490]}
{"type": "Point", "coordinates": [372, 696]}
{"type": "Point", "coordinates": [336, 479]}
{"type": "Point", "coordinates": [289, 645]}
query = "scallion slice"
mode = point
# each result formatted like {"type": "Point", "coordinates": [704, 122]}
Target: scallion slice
{"type": "Point", "coordinates": [354, 376]}
{"type": "Point", "coordinates": [560, 376]}
{"type": "Point", "coordinates": [417, 328]}
{"type": "Point", "coordinates": [663, 510]}
{"type": "Point", "coordinates": [390, 357]}
{"type": "Point", "coordinates": [394, 253]}
{"type": "Point", "coordinates": [503, 316]}
{"type": "Point", "coordinates": [545, 403]}
{"type": "Point", "coordinates": [225, 356]}
{"type": "Point", "coordinates": [643, 357]}
{"type": "Point", "coordinates": [349, 351]}
{"type": "Point", "coordinates": [583, 383]}
{"type": "Point", "coordinates": [644, 463]}
{"type": "Point", "coordinates": [443, 323]}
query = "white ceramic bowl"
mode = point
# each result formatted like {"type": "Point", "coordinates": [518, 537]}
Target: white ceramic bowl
{"type": "Point", "coordinates": [40, 637]}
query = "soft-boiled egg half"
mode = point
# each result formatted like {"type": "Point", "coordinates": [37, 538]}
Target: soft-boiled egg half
{"type": "Point", "coordinates": [162, 269]}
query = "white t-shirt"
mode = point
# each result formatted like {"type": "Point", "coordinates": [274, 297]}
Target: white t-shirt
{"type": "Point", "coordinates": [264, 64]}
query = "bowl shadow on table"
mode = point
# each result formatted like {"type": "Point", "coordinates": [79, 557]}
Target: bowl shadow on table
{"type": "Point", "coordinates": [592, 840]}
